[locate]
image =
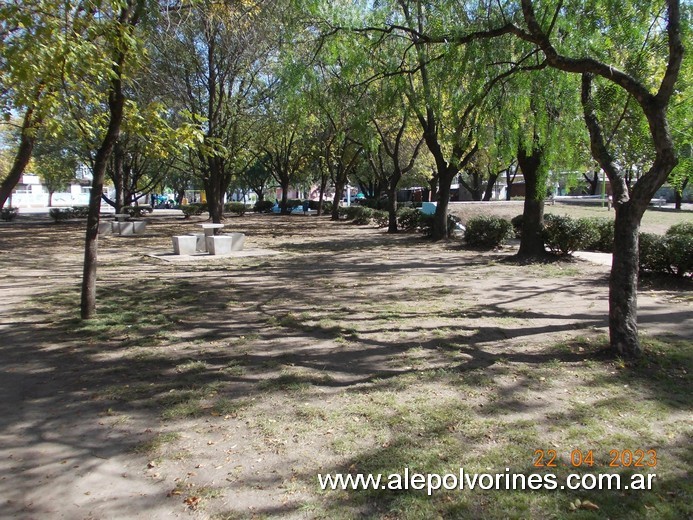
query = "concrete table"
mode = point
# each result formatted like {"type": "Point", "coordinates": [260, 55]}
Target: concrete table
{"type": "Point", "coordinates": [209, 230]}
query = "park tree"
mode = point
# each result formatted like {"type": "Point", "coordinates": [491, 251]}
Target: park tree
{"type": "Point", "coordinates": [28, 86]}
{"type": "Point", "coordinates": [208, 61]}
{"type": "Point", "coordinates": [398, 146]}
{"type": "Point", "coordinates": [639, 49]}
{"type": "Point", "coordinates": [645, 64]}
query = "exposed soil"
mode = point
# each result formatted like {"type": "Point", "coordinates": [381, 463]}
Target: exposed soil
{"type": "Point", "coordinates": [92, 423]}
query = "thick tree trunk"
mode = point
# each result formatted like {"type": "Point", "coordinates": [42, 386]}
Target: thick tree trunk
{"type": "Point", "coordinates": [21, 159]}
{"type": "Point", "coordinates": [339, 188]}
{"type": "Point", "coordinates": [285, 196]}
{"type": "Point", "coordinates": [623, 283]}
{"type": "Point", "coordinates": [440, 217]}
{"type": "Point", "coordinates": [214, 206]}
{"type": "Point", "coordinates": [488, 193]}
{"type": "Point", "coordinates": [392, 208]}
{"type": "Point", "coordinates": [321, 197]}
{"type": "Point", "coordinates": [678, 195]}
{"type": "Point", "coordinates": [532, 240]}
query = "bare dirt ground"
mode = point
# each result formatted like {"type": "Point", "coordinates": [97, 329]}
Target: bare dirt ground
{"type": "Point", "coordinates": [220, 388]}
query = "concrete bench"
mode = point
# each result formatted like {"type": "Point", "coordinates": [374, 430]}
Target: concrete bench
{"type": "Point", "coordinates": [184, 244]}
{"type": "Point", "coordinates": [136, 227]}
{"type": "Point", "coordinates": [224, 244]}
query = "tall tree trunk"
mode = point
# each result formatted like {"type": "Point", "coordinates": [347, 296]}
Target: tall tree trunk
{"type": "Point", "coordinates": [340, 183]}
{"type": "Point", "coordinates": [623, 282]}
{"type": "Point", "coordinates": [488, 193]}
{"type": "Point", "coordinates": [678, 195]}
{"type": "Point", "coordinates": [532, 240]}
{"type": "Point", "coordinates": [321, 198]}
{"type": "Point", "coordinates": [116, 103]}
{"type": "Point", "coordinates": [129, 16]}
{"type": "Point", "coordinates": [22, 157]}
{"type": "Point", "coordinates": [392, 207]}
{"type": "Point", "coordinates": [285, 195]}
{"type": "Point", "coordinates": [118, 177]}
{"type": "Point", "coordinates": [440, 217]}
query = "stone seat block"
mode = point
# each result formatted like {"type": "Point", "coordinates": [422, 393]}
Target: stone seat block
{"type": "Point", "coordinates": [123, 228]}
{"type": "Point", "coordinates": [184, 244]}
{"type": "Point", "coordinates": [105, 228]}
{"type": "Point", "coordinates": [219, 244]}
{"type": "Point", "coordinates": [139, 226]}
{"type": "Point", "coordinates": [237, 241]}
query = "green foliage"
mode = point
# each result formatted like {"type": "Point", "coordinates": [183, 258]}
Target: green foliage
{"type": "Point", "coordinates": [237, 208]}
{"type": "Point", "coordinates": [682, 228]}
{"type": "Point", "coordinates": [601, 236]}
{"type": "Point", "coordinates": [426, 224]}
{"type": "Point", "coordinates": [327, 206]}
{"type": "Point", "coordinates": [263, 206]}
{"type": "Point", "coordinates": [487, 231]}
{"type": "Point", "coordinates": [8, 213]}
{"type": "Point", "coordinates": [359, 215]}
{"type": "Point", "coordinates": [564, 235]}
{"type": "Point", "coordinates": [408, 218]}
{"type": "Point", "coordinates": [293, 203]}
{"type": "Point", "coordinates": [381, 218]}
{"type": "Point", "coordinates": [62, 214]}
{"type": "Point", "coordinates": [669, 254]}
{"type": "Point", "coordinates": [517, 223]}
{"type": "Point", "coordinates": [653, 253]}
{"type": "Point", "coordinates": [194, 209]}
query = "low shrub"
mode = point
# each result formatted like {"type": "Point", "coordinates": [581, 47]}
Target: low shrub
{"type": "Point", "coordinates": [263, 206]}
{"type": "Point", "coordinates": [517, 223]}
{"type": "Point", "coordinates": [237, 208]}
{"type": "Point", "coordinates": [327, 206]}
{"type": "Point", "coordinates": [362, 215]}
{"type": "Point", "coordinates": [682, 228]}
{"type": "Point", "coordinates": [601, 236]}
{"type": "Point", "coordinates": [680, 254]}
{"type": "Point", "coordinates": [293, 203]}
{"type": "Point", "coordinates": [564, 235]}
{"type": "Point", "coordinates": [194, 209]}
{"type": "Point", "coordinates": [653, 253]}
{"type": "Point", "coordinates": [408, 218]}
{"type": "Point", "coordinates": [669, 254]}
{"type": "Point", "coordinates": [381, 218]}
{"type": "Point", "coordinates": [487, 231]}
{"type": "Point", "coordinates": [60, 214]}
{"type": "Point", "coordinates": [80, 211]}
{"type": "Point", "coordinates": [8, 213]}
{"type": "Point", "coordinates": [426, 224]}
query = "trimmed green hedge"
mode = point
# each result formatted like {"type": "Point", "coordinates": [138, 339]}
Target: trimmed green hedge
{"type": "Point", "coordinates": [487, 231]}
{"type": "Point", "coordinates": [194, 209]}
{"type": "Point", "coordinates": [61, 214]}
{"type": "Point", "coordinates": [263, 206]}
{"type": "Point", "coordinates": [565, 235]}
{"type": "Point", "coordinates": [8, 213]}
{"type": "Point", "coordinates": [237, 208]}
{"type": "Point", "coordinates": [668, 254]}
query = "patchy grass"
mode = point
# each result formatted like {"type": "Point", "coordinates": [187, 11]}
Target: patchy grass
{"type": "Point", "coordinates": [423, 358]}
